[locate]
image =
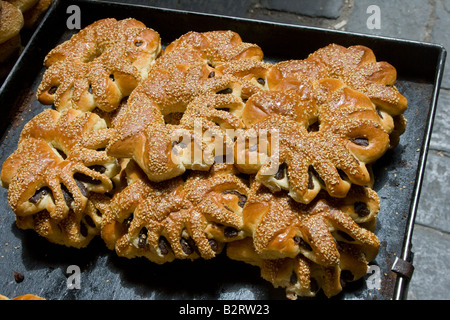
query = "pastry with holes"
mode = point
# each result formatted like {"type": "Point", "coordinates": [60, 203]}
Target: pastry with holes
{"type": "Point", "coordinates": [301, 277]}
{"type": "Point", "coordinates": [328, 135]}
{"type": "Point", "coordinates": [281, 227]}
{"type": "Point", "coordinates": [305, 248]}
{"type": "Point", "coordinates": [251, 73]}
{"type": "Point", "coordinates": [302, 163]}
{"type": "Point", "coordinates": [359, 69]}
{"type": "Point", "coordinates": [59, 164]}
{"type": "Point", "coordinates": [76, 230]}
{"type": "Point", "coordinates": [175, 219]}
{"type": "Point", "coordinates": [99, 66]}
{"type": "Point", "coordinates": [149, 130]}
{"type": "Point", "coordinates": [224, 53]}
{"type": "Point", "coordinates": [152, 123]}
{"type": "Point", "coordinates": [10, 49]}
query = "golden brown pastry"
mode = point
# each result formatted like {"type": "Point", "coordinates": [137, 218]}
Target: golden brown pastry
{"type": "Point", "coordinates": [152, 124]}
{"type": "Point", "coordinates": [251, 73]}
{"type": "Point", "coordinates": [301, 277]}
{"type": "Point", "coordinates": [27, 296]}
{"type": "Point", "coordinates": [99, 66]}
{"type": "Point", "coordinates": [11, 21]}
{"type": "Point", "coordinates": [175, 219]}
{"type": "Point", "coordinates": [33, 14]}
{"type": "Point", "coordinates": [23, 5]}
{"type": "Point", "coordinates": [213, 48]}
{"type": "Point", "coordinates": [281, 227]}
{"type": "Point", "coordinates": [358, 68]}
{"type": "Point", "coordinates": [224, 53]}
{"type": "Point", "coordinates": [304, 163]}
{"type": "Point", "coordinates": [327, 134]}
{"type": "Point", "coordinates": [350, 114]}
{"type": "Point", "coordinates": [59, 164]}
{"type": "Point", "coordinates": [75, 230]}
{"type": "Point", "coordinates": [305, 248]}
{"type": "Point", "coordinates": [130, 120]}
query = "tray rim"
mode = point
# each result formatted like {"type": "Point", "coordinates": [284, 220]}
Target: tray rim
{"type": "Point", "coordinates": [407, 254]}
{"type": "Point", "coordinates": [267, 22]}
{"type": "Point", "coordinates": [401, 282]}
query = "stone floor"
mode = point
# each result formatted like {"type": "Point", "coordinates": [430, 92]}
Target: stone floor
{"type": "Point", "coordinates": [419, 20]}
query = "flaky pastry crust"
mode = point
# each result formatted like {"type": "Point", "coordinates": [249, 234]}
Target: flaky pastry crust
{"type": "Point", "coordinates": [299, 276]}
{"type": "Point", "coordinates": [99, 66]}
{"type": "Point", "coordinates": [281, 227]}
{"type": "Point", "coordinates": [183, 87]}
{"type": "Point", "coordinates": [305, 248]}
{"type": "Point", "coordinates": [175, 219]}
{"type": "Point", "coordinates": [58, 165]}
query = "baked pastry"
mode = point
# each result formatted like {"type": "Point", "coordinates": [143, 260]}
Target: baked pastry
{"type": "Point", "coordinates": [213, 48]}
{"type": "Point", "coordinates": [23, 5]}
{"type": "Point", "coordinates": [358, 68]}
{"type": "Point", "coordinates": [351, 115]}
{"type": "Point", "coordinates": [175, 219]}
{"type": "Point", "coordinates": [27, 296]}
{"type": "Point", "coordinates": [327, 99]}
{"type": "Point", "coordinates": [99, 66]}
{"type": "Point", "coordinates": [224, 53]}
{"type": "Point", "coordinates": [11, 21]}
{"type": "Point", "coordinates": [304, 248]}
{"type": "Point", "coordinates": [299, 276]}
{"type": "Point", "coordinates": [152, 122]}
{"type": "Point", "coordinates": [281, 227]}
{"type": "Point", "coordinates": [59, 164]}
{"type": "Point", "coordinates": [251, 73]}
{"type": "Point", "coordinates": [76, 230]}
{"type": "Point", "coordinates": [32, 15]}
{"type": "Point", "coordinates": [130, 120]}
{"type": "Point", "coordinates": [345, 105]}
{"type": "Point", "coordinates": [328, 135]}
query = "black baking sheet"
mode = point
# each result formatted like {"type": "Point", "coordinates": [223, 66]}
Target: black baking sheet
{"type": "Point", "coordinates": [105, 276]}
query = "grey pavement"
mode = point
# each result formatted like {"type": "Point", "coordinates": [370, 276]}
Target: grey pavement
{"type": "Point", "coordinates": [420, 20]}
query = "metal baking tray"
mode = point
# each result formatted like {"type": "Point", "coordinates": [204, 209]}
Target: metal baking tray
{"type": "Point", "coordinates": [106, 276]}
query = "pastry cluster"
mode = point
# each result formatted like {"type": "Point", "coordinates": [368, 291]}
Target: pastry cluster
{"type": "Point", "coordinates": [16, 15]}
{"type": "Point", "coordinates": [203, 147]}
